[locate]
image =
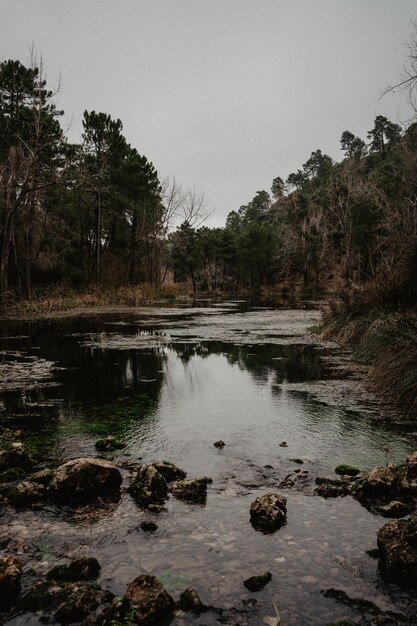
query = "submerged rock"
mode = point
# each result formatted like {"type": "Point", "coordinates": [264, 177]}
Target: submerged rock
{"type": "Point", "coordinates": [268, 512]}
{"type": "Point", "coordinates": [148, 486]}
{"type": "Point", "coordinates": [86, 568]}
{"type": "Point", "coordinates": [194, 490]}
{"type": "Point", "coordinates": [256, 583]}
{"type": "Point", "coordinates": [83, 479]}
{"type": "Point", "coordinates": [108, 444]}
{"type": "Point", "coordinates": [149, 527]}
{"type": "Point", "coordinates": [395, 508]}
{"type": "Point", "coordinates": [397, 543]}
{"type": "Point", "coordinates": [10, 575]}
{"type": "Point", "coordinates": [169, 471]}
{"type": "Point", "coordinates": [190, 601]}
{"type": "Point", "coordinates": [16, 455]}
{"type": "Point", "coordinates": [347, 470]}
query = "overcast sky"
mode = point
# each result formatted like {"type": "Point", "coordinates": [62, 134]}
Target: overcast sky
{"type": "Point", "coordinates": [225, 94]}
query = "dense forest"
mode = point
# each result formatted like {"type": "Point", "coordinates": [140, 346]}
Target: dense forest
{"type": "Point", "coordinates": [97, 212]}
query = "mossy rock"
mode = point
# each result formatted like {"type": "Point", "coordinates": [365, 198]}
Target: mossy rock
{"type": "Point", "coordinates": [108, 444]}
{"type": "Point", "coordinates": [347, 470]}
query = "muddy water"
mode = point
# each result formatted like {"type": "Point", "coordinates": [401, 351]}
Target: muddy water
{"type": "Point", "coordinates": [171, 382]}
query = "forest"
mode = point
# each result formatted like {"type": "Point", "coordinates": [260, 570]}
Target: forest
{"type": "Point", "coordinates": [97, 212]}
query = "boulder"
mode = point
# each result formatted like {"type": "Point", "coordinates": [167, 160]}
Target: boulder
{"type": "Point", "coordinates": [193, 490]}
{"type": "Point", "coordinates": [16, 455]}
{"type": "Point", "coordinates": [378, 483]}
{"type": "Point", "coordinates": [169, 471]}
{"type": "Point", "coordinates": [219, 444]}
{"type": "Point", "coordinates": [190, 601]}
{"type": "Point", "coordinates": [268, 512]}
{"type": "Point", "coordinates": [84, 479]}
{"type": "Point", "coordinates": [10, 575]}
{"type": "Point", "coordinates": [256, 583]}
{"type": "Point", "coordinates": [148, 486]}
{"type": "Point", "coordinates": [43, 477]}
{"type": "Point", "coordinates": [85, 568]}
{"type": "Point", "coordinates": [397, 543]}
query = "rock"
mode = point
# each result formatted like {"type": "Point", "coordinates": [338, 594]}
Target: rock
{"type": "Point", "coordinates": [298, 461]}
{"type": "Point", "coordinates": [283, 444]}
{"type": "Point", "coordinates": [268, 466]}
{"type": "Point", "coordinates": [16, 455]}
{"type": "Point", "coordinates": [27, 493]}
{"type": "Point", "coordinates": [148, 486]}
{"type": "Point", "coordinates": [256, 583]}
{"type": "Point", "coordinates": [84, 479]}
{"type": "Point", "coordinates": [10, 575]}
{"type": "Point", "coordinates": [86, 568]}
{"type": "Point", "coordinates": [43, 477]}
{"type": "Point", "coordinates": [149, 527]}
{"type": "Point", "coordinates": [408, 474]}
{"type": "Point", "coordinates": [190, 601]}
{"type": "Point", "coordinates": [379, 482]}
{"type": "Point", "coordinates": [81, 599]}
{"type": "Point", "coordinates": [219, 444]}
{"type": "Point", "coordinates": [268, 512]}
{"type": "Point", "coordinates": [395, 508]}
{"type": "Point", "coordinates": [169, 471]}
{"type": "Point", "coordinates": [329, 488]}
{"type": "Point", "coordinates": [148, 599]}
{"type": "Point", "coordinates": [108, 444]}
{"type": "Point", "coordinates": [194, 490]}
{"type": "Point", "coordinates": [347, 470]}
{"type": "Point", "coordinates": [397, 543]}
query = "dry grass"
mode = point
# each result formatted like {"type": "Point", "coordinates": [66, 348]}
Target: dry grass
{"type": "Point", "coordinates": [384, 339]}
{"type": "Point", "coordinates": [63, 298]}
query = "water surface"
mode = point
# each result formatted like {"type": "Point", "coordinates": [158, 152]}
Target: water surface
{"type": "Point", "coordinates": [170, 383]}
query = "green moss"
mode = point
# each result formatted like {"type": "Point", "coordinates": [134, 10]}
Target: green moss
{"type": "Point", "coordinates": [348, 470]}
{"type": "Point", "coordinates": [109, 443]}
{"type": "Point", "coordinates": [13, 473]}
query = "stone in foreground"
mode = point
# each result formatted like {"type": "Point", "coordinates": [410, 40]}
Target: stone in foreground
{"type": "Point", "coordinates": [268, 512]}
{"type": "Point", "coordinates": [256, 583]}
{"type": "Point", "coordinates": [16, 455]}
{"type": "Point", "coordinates": [190, 601]}
{"type": "Point", "coordinates": [148, 486]}
{"type": "Point", "coordinates": [192, 490]}
{"type": "Point", "coordinates": [169, 471]}
{"type": "Point", "coordinates": [397, 543]}
{"type": "Point", "coordinates": [10, 575]}
{"type": "Point", "coordinates": [84, 479]}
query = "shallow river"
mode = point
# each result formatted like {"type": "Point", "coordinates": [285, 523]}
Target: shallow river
{"type": "Point", "coordinates": [171, 382]}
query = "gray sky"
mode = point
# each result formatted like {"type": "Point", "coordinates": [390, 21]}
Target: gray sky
{"type": "Point", "coordinates": [225, 94]}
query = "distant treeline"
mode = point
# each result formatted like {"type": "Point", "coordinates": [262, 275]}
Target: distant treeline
{"type": "Point", "coordinates": [97, 211]}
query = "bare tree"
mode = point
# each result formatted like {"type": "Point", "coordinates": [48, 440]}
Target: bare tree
{"type": "Point", "coordinates": [182, 205]}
